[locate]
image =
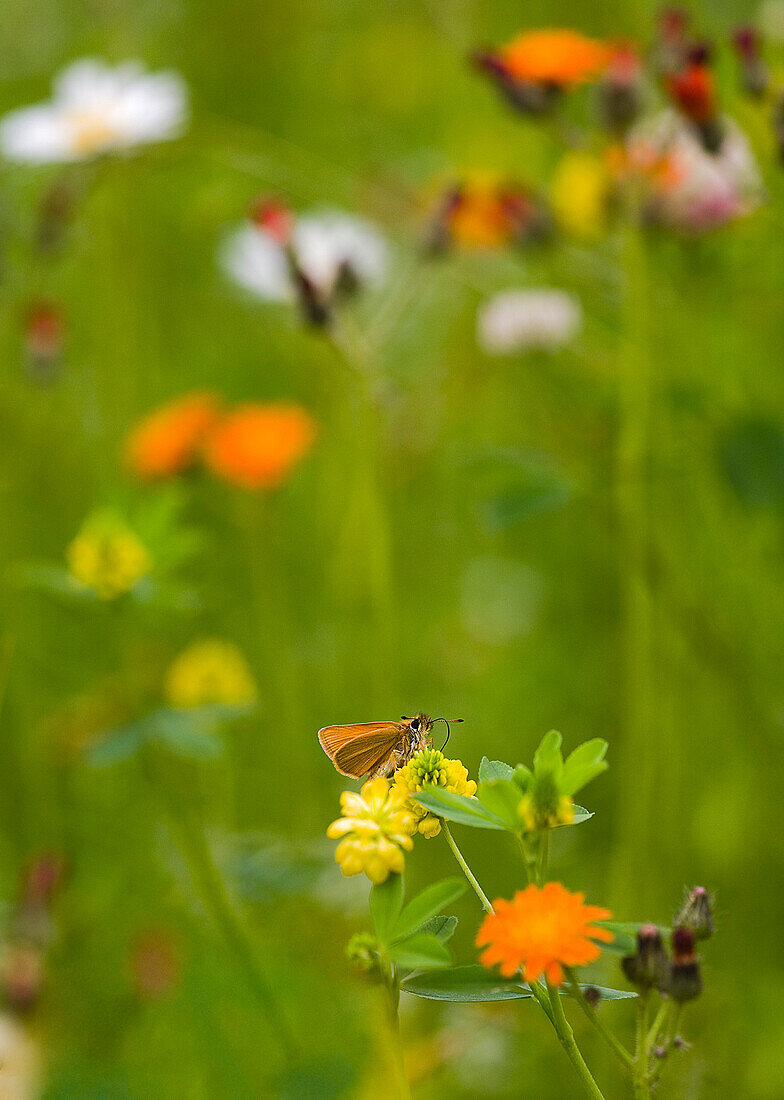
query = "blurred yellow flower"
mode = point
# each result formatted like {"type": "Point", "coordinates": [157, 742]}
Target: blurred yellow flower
{"type": "Point", "coordinates": [429, 766]}
{"type": "Point", "coordinates": [580, 194]}
{"type": "Point", "coordinates": [107, 556]}
{"type": "Point", "coordinates": [210, 672]}
{"type": "Point", "coordinates": [376, 828]}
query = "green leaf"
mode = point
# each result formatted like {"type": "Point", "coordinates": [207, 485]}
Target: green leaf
{"type": "Point", "coordinates": [442, 927]}
{"type": "Point", "coordinates": [386, 901]}
{"type": "Point", "coordinates": [52, 579]}
{"type": "Point", "coordinates": [523, 777]}
{"type": "Point", "coordinates": [456, 807]}
{"type": "Point", "coordinates": [419, 951]}
{"type": "Point", "coordinates": [605, 994]}
{"type": "Point", "coordinates": [426, 905]}
{"type": "Point", "coordinates": [547, 757]}
{"type": "Point", "coordinates": [466, 984]}
{"type": "Point", "coordinates": [502, 797]}
{"type": "Point", "coordinates": [583, 765]}
{"type": "Point", "coordinates": [494, 769]}
{"type": "Point", "coordinates": [580, 815]}
{"type": "Point", "coordinates": [117, 745]}
{"type": "Point", "coordinates": [190, 734]}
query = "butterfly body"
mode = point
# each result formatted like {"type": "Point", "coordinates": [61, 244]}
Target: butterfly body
{"type": "Point", "coordinates": [375, 748]}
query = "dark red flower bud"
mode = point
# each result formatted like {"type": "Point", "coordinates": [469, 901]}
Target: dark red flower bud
{"type": "Point", "coordinates": [685, 979]}
{"type": "Point", "coordinates": [747, 41]}
{"type": "Point", "coordinates": [754, 73]}
{"type": "Point", "coordinates": [592, 995]}
{"type": "Point", "coordinates": [620, 91]}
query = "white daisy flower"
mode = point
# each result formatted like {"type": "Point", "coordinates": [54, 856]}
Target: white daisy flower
{"type": "Point", "coordinates": [96, 108]}
{"type": "Point", "coordinates": [702, 190]}
{"type": "Point", "coordinates": [523, 320]}
{"type": "Point", "coordinates": [327, 248]}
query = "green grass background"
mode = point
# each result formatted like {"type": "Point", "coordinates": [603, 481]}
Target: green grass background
{"type": "Point", "coordinates": [652, 608]}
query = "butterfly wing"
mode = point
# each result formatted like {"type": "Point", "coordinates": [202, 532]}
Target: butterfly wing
{"type": "Point", "coordinates": [357, 749]}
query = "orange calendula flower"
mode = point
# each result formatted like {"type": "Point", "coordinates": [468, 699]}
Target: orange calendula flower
{"type": "Point", "coordinates": [168, 441]}
{"type": "Point", "coordinates": [540, 931]}
{"type": "Point", "coordinates": [257, 445]}
{"type": "Point", "coordinates": [559, 57]}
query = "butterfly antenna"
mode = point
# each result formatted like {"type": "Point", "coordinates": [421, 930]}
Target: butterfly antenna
{"type": "Point", "coordinates": [448, 729]}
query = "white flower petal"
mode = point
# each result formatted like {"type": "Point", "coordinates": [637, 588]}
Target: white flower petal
{"type": "Point", "coordinates": [257, 262]}
{"type": "Point", "coordinates": [521, 320]}
{"type": "Point", "coordinates": [36, 135]}
{"type": "Point", "coordinates": [326, 242]}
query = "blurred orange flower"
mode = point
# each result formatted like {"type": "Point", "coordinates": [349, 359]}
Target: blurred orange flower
{"type": "Point", "coordinates": [257, 445]}
{"type": "Point", "coordinates": [168, 441]}
{"type": "Point", "coordinates": [486, 211]}
{"type": "Point", "coordinates": [559, 57]}
{"type": "Point", "coordinates": [542, 930]}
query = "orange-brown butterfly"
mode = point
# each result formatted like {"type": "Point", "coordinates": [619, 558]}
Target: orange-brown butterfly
{"type": "Point", "coordinates": [377, 748]}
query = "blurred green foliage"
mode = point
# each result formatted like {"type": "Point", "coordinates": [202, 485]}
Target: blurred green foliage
{"type": "Point", "coordinates": [353, 590]}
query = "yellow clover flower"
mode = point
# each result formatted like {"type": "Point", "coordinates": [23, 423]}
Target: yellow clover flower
{"type": "Point", "coordinates": [580, 195]}
{"type": "Point", "coordinates": [429, 766]}
{"type": "Point", "coordinates": [376, 827]}
{"type": "Point", "coordinates": [107, 556]}
{"type": "Point", "coordinates": [210, 672]}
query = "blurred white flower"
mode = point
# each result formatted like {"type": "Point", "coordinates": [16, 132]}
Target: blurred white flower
{"type": "Point", "coordinates": [329, 248]}
{"type": "Point", "coordinates": [96, 108]}
{"type": "Point", "coordinates": [521, 320]}
{"type": "Point", "coordinates": [699, 190]}
{"type": "Point", "coordinates": [20, 1062]}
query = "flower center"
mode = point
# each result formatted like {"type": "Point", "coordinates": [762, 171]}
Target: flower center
{"type": "Point", "coordinates": [90, 131]}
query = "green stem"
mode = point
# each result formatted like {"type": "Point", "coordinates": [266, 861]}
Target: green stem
{"type": "Point", "coordinates": [208, 881]}
{"type": "Point", "coordinates": [658, 1024]}
{"type": "Point", "coordinates": [393, 1015]}
{"type": "Point", "coordinates": [617, 1046]}
{"type": "Point", "coordinates": [566, 1037]}
{"type": "Point", "coordinates": [529, 861]}
{"type": "Point", "coordinates": [540, 994]}
{"type": "Point", "coordinates": [670, 1031]}
{"type": "Point", "coordinates": [640, 1079]}
{"type": "Point", "coordinates": [466, 869]}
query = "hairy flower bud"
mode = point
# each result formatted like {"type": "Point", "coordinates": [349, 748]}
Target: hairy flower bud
{"type": "Point", "coordinates": [648, 967]}
{"type": "Point", "coordinates": [695, 914]}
